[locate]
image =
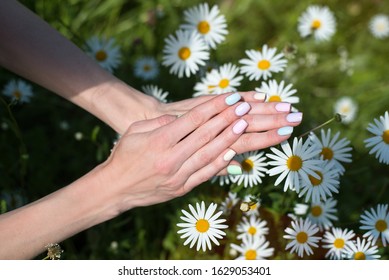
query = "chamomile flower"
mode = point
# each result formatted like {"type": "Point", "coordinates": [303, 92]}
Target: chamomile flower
{"type": "Point", "coordinates": [337, 241]}
{"type": "Point", "coordinates": [184, 52]}
{"type": "Point", "coordinates": [251, 226]}
{"type": "Point", "coordinates": [253, 248]}
{"type": "Point", "coordinates": [333, 149]}
{"type": "Point", "coordinates": [317, 21]}
{"type": "Point", "coordinates": [225, 79]}
{"type": "Point", "coordinates": [253, 167]}
{"type": "Point", "coordinates": [156, 92]}
{"type": "Point", "coordinates": [376, 222]}
{"type": "Point", "coordinates": [302, 235]}
{"type": "Point", "coordinates": [203, 87]}
{"type": "Point", "coordinates": [323, 185]}
{"type": "Point", "coordinates": [347, 108]}
{"type": "Point", "coordinates": [278, 92]}
{"type": "Point", "coordinates": [18, 90]}
{"type": "Point", "coordinates": [379, 142]}
{"type": "Point", "coordinates": [208, 23]}
{"type": "Point", "coordinates": [250, 206]}
{"type": "Point", "coordinates": [361, 249]}
{"type": "Point", "coordinates": [146, 68]}
{"type": "Point", "coordinates": [105, 52]}
{"type": "Point", "coordinates": [294, 164]}
{"type": "Point", "coordinates": [202, 226]}
{"type": "Point", "coordinates": [223, 180]}
{"type": "Point", "coordinates": [261, 64]}
{"type": "Point", "coordinates": [229, 202]}
{"type": "Point", "coordinates": [323, 213]}
{"type": "Point", "coordinates": [379, 26]}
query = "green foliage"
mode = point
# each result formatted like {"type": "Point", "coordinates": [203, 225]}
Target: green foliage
{"type": "Point", "coordinates": [40, 153]}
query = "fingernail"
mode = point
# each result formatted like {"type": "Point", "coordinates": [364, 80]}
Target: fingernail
{"type": "Point", "coordinates": [294, 117]}
{"type": "Point", "coordinates": [242, 109]}
{"type": "Point", "coordinates": [283, 107]}
{"type": "Point", "coordinates": [239, 127]}
{"type": "Point", "coordinates": [260, 96]}
{"type": "Point", "coordinates": [234, 170]}
{"type": "Point", "coordinates": [232, 99]}
{"type": "Point", "coordinates": [286, 130]}
{"type": "Point", "coordinates": [229, 155]}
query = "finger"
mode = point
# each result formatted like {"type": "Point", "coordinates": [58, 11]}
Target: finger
{"type": "Point", "coordinates": [224, 171]}
{"type": "Point", "coordinates": [260, 123]}
{"type": "Point", "coordinates": [150, 124]}
{"type": "Point", "coordinates": [210, 152]}
{"type": "Point", "coordinates": [270, 108]}
{"type": "Point", "coordinates": [201, 114]}
{"type": "Point", "coordinates": [257, 141]}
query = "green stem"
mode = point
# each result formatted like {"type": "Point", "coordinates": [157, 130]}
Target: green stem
{"type": "Point", "coordinates": [337, 118]}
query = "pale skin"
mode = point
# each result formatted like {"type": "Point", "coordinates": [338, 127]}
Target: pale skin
{"type": "Point", "coordinates": [159, 156]}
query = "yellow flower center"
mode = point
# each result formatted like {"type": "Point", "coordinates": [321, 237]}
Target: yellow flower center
{"type": "Point", "coordinates": [294, 163]}
{"type": "Point", "coordinates": [327, 153]}
{"type": "Point", "coordinates": [316, 211]}
{"type": "Point", "coordinates": [264, 64]}
{"type": "Point", "coordinates": [17, 94]}
{"type": "Point", "coordinates": [381, 225]}
{"type": "Point", "coordinates": [101, 55]}
{"type": "Point", "coordinates": [202, 225]}
{"type": "Point", "coordinates": [339, 243]}
{"type": "Point", "coordinates": [146, 68]}
{"type": "Point", "coordinates": [385, 136]}
{"type": "Point", "coordinates": [251, 255]}
{"type": "Point", "coordinates": [316, 24]}
{"type": "Point", "coordinates": [203, 27]}
{"type": "Point", "coordinates": [315, 181]}
{"type": "Point", "coordinates": [275, 98]}
{"type": "Point", "coordinates": [184, 53]}
{"type": "Point", "coordinates": [247, 165]}
{"type": "Point", "coordinates": [253, 207]}
{"type": "Point", "coordinates": [224, 83]}
{"type": "Point", "coordinates": [252, 230]}
{"type": "Point", "coordinates": [359, 256]}
{"type": "Point", "coordinates": [301, 237]}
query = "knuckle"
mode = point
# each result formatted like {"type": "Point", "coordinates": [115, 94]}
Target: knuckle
{"type": "Point", "coordinates": [196, 117]}
{"type": "Point", "coordinates": [165, 119]}
{"type": "Point", "coordinates": [205, 157]}
{"type": "Point", "coordinates": [164, 167]}
{"type": "Point", "coordinates": [205, 138]}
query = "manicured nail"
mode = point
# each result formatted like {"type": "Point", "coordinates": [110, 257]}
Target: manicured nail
{"type": "Point", "coordinates": [260, 96]}
{"type": "Point", "coordinates": [239, 127]}
{"type": "Point", "coordinates": [242, 109]}
{"type": "Point", "coordinates": [229, 155]}
{"type": "Point", "coordinates": [294, 117]}
{"type": "Point", "coordinates": [283, 107]}
{"type": "Point", "coordinates": [234, 170]}
{"type": "Point", "coordinates": [286, 130]}
{"type": "Point", "coordinates": [233, 98]}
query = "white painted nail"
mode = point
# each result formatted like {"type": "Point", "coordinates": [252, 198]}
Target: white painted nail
{"type": "Point", "coordinates": [229, 155]}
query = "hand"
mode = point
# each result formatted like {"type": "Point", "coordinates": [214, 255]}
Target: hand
{"type": "Point", "coordinates": [165, 157]}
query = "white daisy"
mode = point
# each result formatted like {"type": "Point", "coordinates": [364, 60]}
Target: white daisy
{"type": "Point", "coordinates": [250, 206]}
{"type": "Point", "coordinates": [278, 92]}
{"type": "Point", "coordinates": [324, 185]}
{"type": "Point", "coordinates": [156, 92]}
{"type": "Point", "coordinates": [377, 224]}
{"type": "Point", "coordinates": [347, 108]}
{"type": "Point", "coordinates": [333, 149]}
{"type": "Point", "coordinates": [261, 64]}
{"type": "Point", "coordinates": [18, 90]}
{"type": "Point", "coordinates": [253, 226]}
{"type": "Point", "coordinates": [361, 249]}
{"type": "Point", "coordinates": [294, 164]}
{"type": "Point", "coordinates": [105, 52]}
{"type": "Point", "coordinates": [317, 21]}
{"type": "Point", "coordinates": [323, 213]}
{"type": "Point", "coordinates": [184, 53]}
{"type": "Point", "coordinates": [337, 241]}
{"type": "Point", "coordinates": [220, 81]}
{"type": "Point", "coordinates": [146, 68]}
{"type": "Point", "coordinates": [379, 26]}
{"type": "Point", "coordinates": [379, 142]}
{"type": "Point", "coordinates": [302, 235]}
{"type": "Point", "coordinates": [229, 202]}
{"type": "Point", "coordinates": [253, 167]}
{"type": "Point", "coordinates": [300, 209]}
{"type": "Point", "coordinates": [202, 226]}
{"type": "Point", "coordinates": [223, 180]}
{"type": "Point", "coordinates": [253, 248]}
{"type": "Point", "coordinates": [210, 24]}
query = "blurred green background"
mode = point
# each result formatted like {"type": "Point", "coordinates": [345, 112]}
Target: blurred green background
{"type": "Point", "coordinates": [48, 155]}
